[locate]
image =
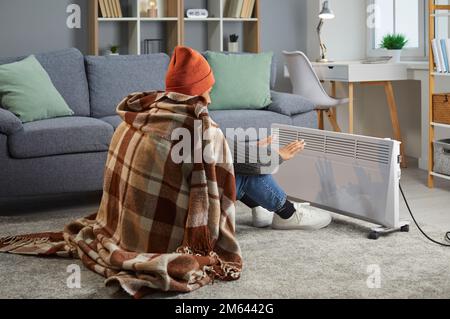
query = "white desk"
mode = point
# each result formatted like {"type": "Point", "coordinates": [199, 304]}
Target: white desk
{"type": "Point", "coordinates": [356, 72]}
{"type": "Point", "coordinates": [353, 72]}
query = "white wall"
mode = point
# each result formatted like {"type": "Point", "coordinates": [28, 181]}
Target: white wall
{"type": "Point", "coordinates": [345, 37]}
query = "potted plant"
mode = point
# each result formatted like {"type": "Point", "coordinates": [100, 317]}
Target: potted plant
{"type": "Point", "coordinates": [114, 50]}
{"type": "Point", "coordinates": [233, 44]}
{"type": "Point", "coordinates": [394, 43]}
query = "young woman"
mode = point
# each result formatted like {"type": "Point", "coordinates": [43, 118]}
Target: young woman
{"type": "Point", "coordinates": [190, 74]}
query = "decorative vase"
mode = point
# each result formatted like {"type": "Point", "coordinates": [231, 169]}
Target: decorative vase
{"type": "Point", "coordinates": [396, 55]}
{"type": "Point", "coordinates": [233, 47]}
{"type": "Point", "coordinates": [161, 8]}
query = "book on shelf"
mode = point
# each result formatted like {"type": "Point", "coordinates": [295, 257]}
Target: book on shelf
{"type": "Point", "coordinates": [118, 9]}
{"type": "Point", "coordinates": [110, 8]}
{"type": "Point", "coordinates": [441, 57]}
{"type": "Point", "coordinates": [229, 8]}
{"type": "Point", "coordinates": [114, 7]}
{"type": "Point", "coordinates": [434, 46]}
{"type": "Point", "coordinates": [238, 9]}
{"type": "Point", "coordinates": [445, 55]}
{"type": "Point", "coordinates": [109, 13]}
{"type": "Point", "coordinates": [106, 8]}
{"type": "Point", "coordinates": [251, 9]}
{"type": "Point", "coordinates": [440, 54]}
{"type": "Point", "coordinates": [103, 13]}
{"type": "Point", "coordinates": [234, 8]}
{"type": "Point", "coordinates": [447, 50]}
{"type": "Point", "coordinates": [226, 4]}
{"type": "Point", "coordinates": [247, 9]}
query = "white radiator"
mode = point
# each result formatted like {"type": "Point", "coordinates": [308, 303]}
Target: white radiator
{"type": "Point", "coordinates": [357, 176]}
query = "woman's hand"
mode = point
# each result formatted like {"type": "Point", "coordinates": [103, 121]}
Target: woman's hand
{"type": "Point", "coordinates": [265, 142]}
{"type": "Point", "coordinates": [289, 151]}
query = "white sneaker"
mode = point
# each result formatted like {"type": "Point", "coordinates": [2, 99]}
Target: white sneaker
{"type": "Point", "coordinates": [305, 217]}
{"type": "Point", "coordinates": [262, 218]}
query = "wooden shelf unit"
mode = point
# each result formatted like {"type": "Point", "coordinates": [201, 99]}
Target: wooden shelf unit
{"type": "Point", "coordinates": [432, 78]}
{"type": "Point", "coordinates": [175, 28]}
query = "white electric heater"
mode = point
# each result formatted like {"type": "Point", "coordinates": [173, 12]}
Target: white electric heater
{"type": "Point", "coordinates": [353, 175]}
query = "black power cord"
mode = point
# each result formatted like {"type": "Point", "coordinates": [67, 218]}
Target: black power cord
{"type": "Point", "coordinates": [447, 235]}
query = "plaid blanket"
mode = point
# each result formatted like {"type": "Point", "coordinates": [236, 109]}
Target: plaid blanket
{"type": "Point", "coordinates": [161, 225]}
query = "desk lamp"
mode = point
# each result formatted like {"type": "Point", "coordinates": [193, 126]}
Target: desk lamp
{"type": "Point", "coordinates": [325, 14]}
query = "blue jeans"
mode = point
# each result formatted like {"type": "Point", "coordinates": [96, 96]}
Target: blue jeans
{"type": "Point", "coordinates": [260, 190]}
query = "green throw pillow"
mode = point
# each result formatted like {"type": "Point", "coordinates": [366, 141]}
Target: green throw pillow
{"type": "Point", "coordinates": [27, 91]}
{"type": "Point", "coordinates": [242, 80]}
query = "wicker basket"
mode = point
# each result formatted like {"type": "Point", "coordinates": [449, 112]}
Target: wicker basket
{"type": "Point", "coordinates": [442, 157]}
{"type": "Point", "coordinates": [441, 108]}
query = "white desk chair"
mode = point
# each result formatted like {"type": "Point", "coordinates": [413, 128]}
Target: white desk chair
{"type": "Point", "coordinates": [306, 83]}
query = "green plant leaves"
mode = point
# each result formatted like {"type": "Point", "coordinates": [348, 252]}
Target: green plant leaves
{"type": "Point", "coordinates": [393, 41]}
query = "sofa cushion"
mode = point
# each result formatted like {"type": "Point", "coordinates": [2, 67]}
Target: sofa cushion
{"type": "Point", "coordinates": [273, 67]}
{"type": "Point", "coordinates": [289, 104]}
{"type": "Point", "coordinates": [242, 81]}
{"type": "Point", "coordinates": [27, 91]}
{"type": "Point", "coordinates": [248, 119]}
{"type": "Point", "coordinates": [113, 120]}
{"type": "Point", "coordinates": [112, 78]}
{"type": "Point", "coordinates": [67, 72]}
{"type": "Point", "coordinates": [64, 135]}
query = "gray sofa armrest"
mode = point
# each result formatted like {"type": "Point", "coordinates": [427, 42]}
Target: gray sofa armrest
{"type": "Point", "coordinates": [289, 104]}
{"type": "Point", "coordinates": [9, 123]}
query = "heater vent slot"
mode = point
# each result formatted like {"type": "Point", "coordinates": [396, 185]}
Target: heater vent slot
{"type": "Point", "coordinates": [373, 152]}
{"type": "Point", "coordinates": [314, 142]}
{"type": "Point", "coordinates": [345, 147]}
{"type": "Point", "coordinates": [340, 147]}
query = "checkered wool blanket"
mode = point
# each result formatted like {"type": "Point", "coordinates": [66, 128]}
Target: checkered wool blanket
{"type": "Point", "coordinates": [161, 225]}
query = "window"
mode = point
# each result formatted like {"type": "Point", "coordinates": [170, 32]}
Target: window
{"type": "Point", "coordinates": [397, 16]}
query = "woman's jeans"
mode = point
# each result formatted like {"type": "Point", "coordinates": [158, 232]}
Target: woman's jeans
{"type": "Point", "coordinates": [260, 190]}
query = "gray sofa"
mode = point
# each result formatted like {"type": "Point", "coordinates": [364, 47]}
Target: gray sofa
{"type": "Point", "coordinates": [68, 154]}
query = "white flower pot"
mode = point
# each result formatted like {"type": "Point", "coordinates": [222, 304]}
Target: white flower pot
{"type": "Point", "coordinates": [233, 46]}
{"type": "Point", "coordinates": [396, 55]}
{"type": "Point", "coordinates": [108, 52]}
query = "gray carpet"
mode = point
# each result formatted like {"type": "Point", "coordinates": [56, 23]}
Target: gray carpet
{"type": "Point", "coordinates": [331, 263]}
